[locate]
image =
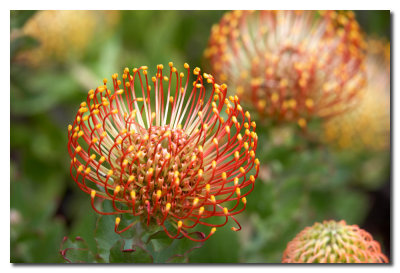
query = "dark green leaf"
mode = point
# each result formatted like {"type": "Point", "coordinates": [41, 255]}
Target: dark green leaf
{"type": "Point", "coordinates": [76, 251]}
{"type": "Point", "coordinates": [19, 17]}
{"type": "Point", "coordinates": [105, 235]}
{"type": "Point", "coordinates": [136, 254]}
{"type": "Point", "coordinates": [160, 241]}
{"type": "Point", "coordinates": [22, 43]}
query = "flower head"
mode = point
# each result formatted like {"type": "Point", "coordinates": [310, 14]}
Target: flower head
{"type": "Point", "coordinates": [165, 150]}
{"type": "Point", "coordinates": [367, 126]}
{"type": "Point", "coordinates": [333, 242]}
{"type": "Point", "coordinates": [64, 34]}
{"type": "Point", "coordinates": [290, 65]}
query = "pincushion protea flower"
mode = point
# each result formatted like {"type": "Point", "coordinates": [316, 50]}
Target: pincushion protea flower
{"type": "Point", "coordinates": [333, 242]}
{"type": "Point", "coordinates": [172, 155]}
{"type": "Point", "coordinates": [367, 126]}
{"type": "Point", "coordinates": [290, 65]}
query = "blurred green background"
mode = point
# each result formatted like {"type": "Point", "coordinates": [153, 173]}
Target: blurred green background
{"type": "Point", "coordinates": [56, 60]}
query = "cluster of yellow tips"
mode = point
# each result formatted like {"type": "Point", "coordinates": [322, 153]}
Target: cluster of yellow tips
{"type": "Point", "coordinates": [290, 65]}
{"type": "Point", "coordinates": [367, 126]}
{"type": "Point", "coordinates": [64, 34]}
{"type": "Point", "coordinates": [333, 242]}
{"type": "Point", "coordinates": [164, 150]}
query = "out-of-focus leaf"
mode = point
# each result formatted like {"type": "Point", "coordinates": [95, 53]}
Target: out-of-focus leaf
{"type": "Point", "coordinates": [221, 247]}
{"type": "Point", "coordinates": [37, 244]}
{"type": "Point", "coordinates": [40, 91]}
{"type": "Point", "coordinates": [108, 60]}
{"type": "Point", "coordinates": [22, 43]}
{"type": "Point", "coordinates": [351, 206]}
{"type": "Point", "coordinates": [19, 17]}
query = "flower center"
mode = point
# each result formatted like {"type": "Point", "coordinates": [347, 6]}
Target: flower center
{"type": "Point", "coordinates": [161, 166]}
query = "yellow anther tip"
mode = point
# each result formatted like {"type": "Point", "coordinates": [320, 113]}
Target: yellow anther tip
{"type": "Point", "coordinates": [117, 221]}
{"type": "Point", "coordinates": [226, 211]}
{"type": "Point", "coordinates": [223, 175]}
{"type": "Point", "coordinates": [93, 193]}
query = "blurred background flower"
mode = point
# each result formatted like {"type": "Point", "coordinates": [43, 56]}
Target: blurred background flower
{"type": "Point", "coordinates": [290, 65]}
{"type": "Point", "coordinates": [333, 242]}
{"type": "Point", "coordinates": [367, 126]}
{"type": "Point", "coordinates": [301, 181]}
{"type": "Point", "coordinates": [66, 34]}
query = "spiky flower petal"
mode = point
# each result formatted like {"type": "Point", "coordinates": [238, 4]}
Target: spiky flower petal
{"type": "Point", "coordinates": [165, 150]}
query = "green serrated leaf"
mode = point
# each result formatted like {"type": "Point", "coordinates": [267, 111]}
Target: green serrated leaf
{"type": "Point", "coordinates": [105, 236]}
{"type": "Point", "coordinates": [76, 251]}
{"type": "Point", "coordinates": [172, 250]}
{"type": "Point", "coordinates": [160, 241]}
{"type": "Point", "coordinates": [178, 260]}
{"type": "Point", "coordinates": [119, 254]}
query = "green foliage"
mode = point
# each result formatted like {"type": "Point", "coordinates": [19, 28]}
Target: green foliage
{"type": "Point", "coordinates": [20, 17]}
{"type": "Point", "coordinates": [135, 255]}
{"type": "Point", "coordinates": [221, 247]}
{"type": "Point", "coordinates": [22, 43]}
{"type": "Point", "coordinates": [139, 244]}
{"type": "Point", "coordinates": [76, 251]}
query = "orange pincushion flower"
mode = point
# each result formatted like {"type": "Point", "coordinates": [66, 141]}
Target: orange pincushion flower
{"type": "Point", "coordinates": [333, 242]}
{"type": "Point", "coordinates": [367, 126]}
{"type": "Point", "coordinates": [168, 155]}
{"type": "Point", "coordinates": [290, 65]}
